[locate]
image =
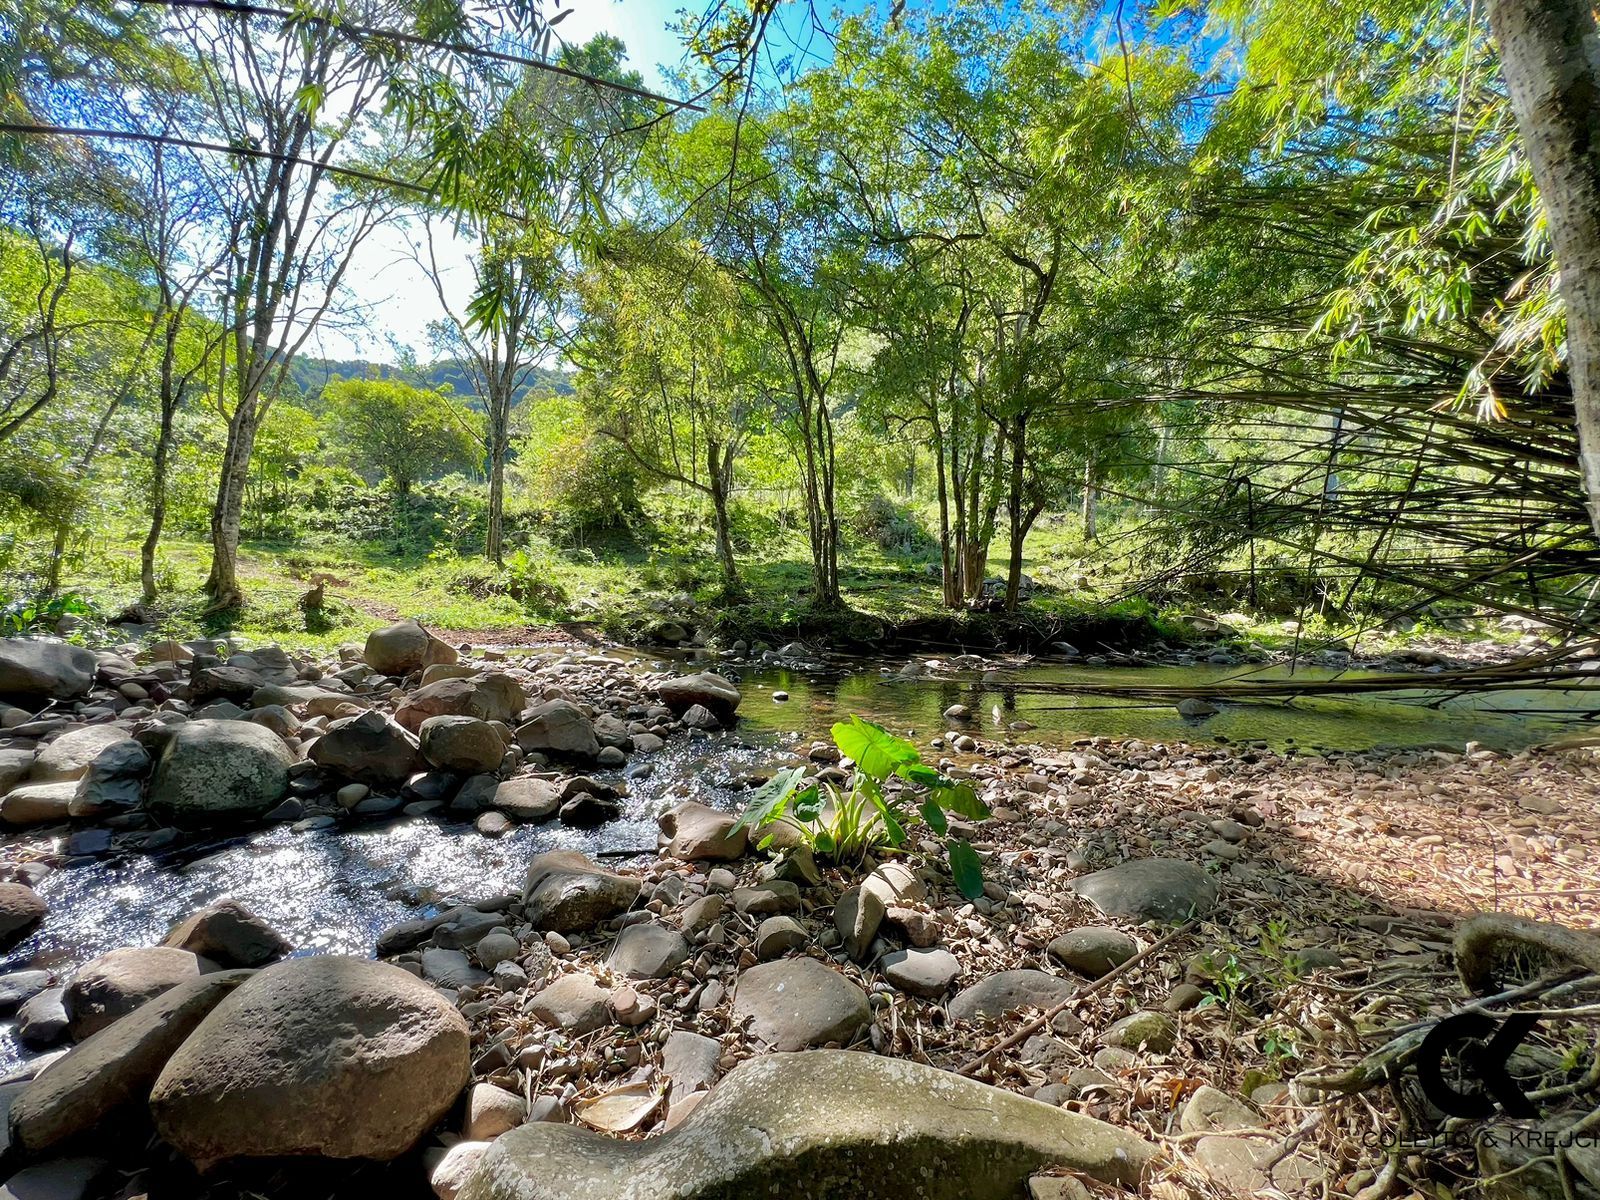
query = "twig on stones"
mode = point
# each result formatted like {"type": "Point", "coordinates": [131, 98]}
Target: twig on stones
{"type": "Point", "coordinates": [1029, 1028]}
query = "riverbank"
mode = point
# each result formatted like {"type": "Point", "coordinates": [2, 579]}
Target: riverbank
{"type": "Point", "coordinates": [1316, 894]}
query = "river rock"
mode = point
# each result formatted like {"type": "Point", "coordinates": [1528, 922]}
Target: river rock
{"type": "Point", "coordinates": [492, 1111]}
{"type": "Point", "coordinates": [21, 908]}
{"type": "Point", "coordinates": [1143, 1030]}
{"type": "Point", "coordinates": [449, 1170]}
{"type": "Point", "coordinates": [774, 896]}
{"type": "Point", "coordinates": [776, 936]}
{"type": "Point", "coordinates": [527, 799]}
{"type": "Point", "coordinates": [776, 1127]}
{"type": "Point", "coordinates": [1245, 1168]}
{"type": "Point", "coordinates": [113, 1071]}
{"type": "Point", "coordinates": [115, 984]}
{"type": "Point", "coordinates": [113, 782]}
{"type": "Point", "coordinates": [72, 1178]}
{"type": "Point", "coordinates": [212, 771]}
{"type": "Point", "coordinates": [1007, 991]}
{"type": "Point", "coordinates": [368, 748]}
{"type": "Point", "coordinates": [451, 969]}
{"type": "Point", "coordinates": [1212, 1110]}
{"type": "Point", "coordinates": [18, 987]}
{"type": "Point", "coordinates": [646, 951]}
{"type": "Point", "coordinates": [42, 1019]}
{"type": "Point", "coordinates": [229, 933]}
{"type": "Point", "coordinates": [707, 689]}
{"type": "Point", "coordinates": [14, 763]}
{"type": "Point", "coordinates": [403, 648]}
{"type": "Point", "coordinates": [1150, 889]}
{"type": "Point", "coordinates": [1093, 950]}
{"type": "Point", "coordinates": [35, 668]}
{"type": "Point", "coordinates": [796, 1003]}
{"type": "Point", "coordinates": [925, 973]}
{"type": "Point", "coordinates": [37, 804]}
{"type": "Point", "coordinates": [493, 697]}
{"type": "Point", "coordinates": [558, 727]}
{"type": "Point", "coordinates": [69, 756]}
{"type": "Point", "coordinates": [326, 1055]}
{"type": "Point", "coordinates": [895, 883]}
{"type": "Point", "coordinates": [857, 914]}
{"type": "Point", "coordinates": [1194, 707]}
{"type": "Point", "coordinates": [695, 832]}
{"type": "Point", "coordinates": [463, 744]}
{"type": "Point", "coordinates": [575, 1004]}
{"type": "Point", "coordinates": [586, 810]}
{"type": "Point", "coordinates": [690, 1061]}
{"type": "Point", "coordinates": [565, 892]}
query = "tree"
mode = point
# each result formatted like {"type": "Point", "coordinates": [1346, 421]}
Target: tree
{"type": "Point", "coordinates": [675, 370]}
{"type": "Point", "coordinates": [1550, 52]}
{"type": "Point", "coordinates": [520, 263]}
{"type": "Point", "coordinates": [400, 433]}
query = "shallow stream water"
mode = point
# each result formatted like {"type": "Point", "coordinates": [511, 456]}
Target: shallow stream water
{"type": "Point", "coordinates": [333, 891]}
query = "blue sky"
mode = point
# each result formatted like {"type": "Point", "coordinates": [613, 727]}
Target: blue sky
{"type": "Point", "coordinates": [385, 278]}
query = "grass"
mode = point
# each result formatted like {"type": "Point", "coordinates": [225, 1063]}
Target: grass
{"type": "Point", "coordinates": [628, 583]}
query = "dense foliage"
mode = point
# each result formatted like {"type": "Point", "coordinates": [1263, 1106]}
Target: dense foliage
{"type": "Point", "coordinates": [1248, 303]}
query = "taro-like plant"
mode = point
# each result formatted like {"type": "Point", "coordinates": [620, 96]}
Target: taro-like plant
{"type": "Point", "coordinates": [889, 789]}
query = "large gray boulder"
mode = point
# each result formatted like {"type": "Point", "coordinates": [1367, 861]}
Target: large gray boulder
{"type": "Point", "coordinates": [797, 1003]}
{"type": "Point", "coordinates": [330, 1056]}
{"type": "Point", "coordinates": [566, 892]}
{"type": "Point", "coordinates": [21, 908]}
{"type": "Point", "coordinates": [109, 1076]}
{"type": "Point", "coordinates": [228, 933]}
{"type": "Point", "coordinates": [368, 748]}
{"type": "Point", "coordinates": [528, 799]}
{"type": "Point", "coordinates": [69, 756]}
{"type": "Point", "coordinates": [36, 668]}
{"type": "Point", "coordinates": [695, 831]}
{"type": "Point", "coordinates": [711, 691]}
{"type": "Point", "coordinates": [463, 744]}
{"type": "Point", "coordinates": [558, 727]}
{"type": "Point", "coordinates": [403, 648]}
{"type": "Point", "coordinates": [493, 697]}
{"type": "Point", "coordinates": [37, 804]}
{"type": "Point", "coordinates": [217, 771]}
{"type": "Point", "coordinates": [118, 982]}
{"type": "Point", "coordinates": [1150, 889]}
{"type": "Point", "coordinates": [114, 781]}
{"type": "Point", "coordinates": [819, 1126]}
{"type": "Point", "coordinates": [1008, 991]}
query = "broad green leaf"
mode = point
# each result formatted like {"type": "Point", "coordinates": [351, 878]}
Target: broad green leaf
{"type": "Point", "coordinates": [876, 751]}
{"type": "Point", "coordinates": [894, 832]}
{"type": "Point", "coordinates": [961, 799]}
{"type": "Point", "coordinates": [965, 868]}
{"type": "Point", "coordinates": [807, 805]}
{"type": "Point", "coordinates": [934, 816]}
{"type": "Point", "coordinates": [771, 799]}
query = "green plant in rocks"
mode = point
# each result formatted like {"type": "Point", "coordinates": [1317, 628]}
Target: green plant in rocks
{"type": "Point", "coordinates": [889, 789]}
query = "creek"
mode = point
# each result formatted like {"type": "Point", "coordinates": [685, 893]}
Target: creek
{"type": "Point", "coordinates": [334, 890]}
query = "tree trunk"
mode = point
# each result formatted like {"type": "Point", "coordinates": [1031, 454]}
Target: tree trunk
{"type": "Point", "coordinates": [1550, 54]}
{"type": "Point", "coordinates": [158, 502]}
{"type": "Point", "coordinates": [223, 584]}
{"type": "Point", "coordinates": [1015, 512]}
{"type": "Point", "coordinates": [497, 442]}
{"type": "Point", "coordinates": [720, 472]}
{"type": "Point", "coordinates": [1090, 503]}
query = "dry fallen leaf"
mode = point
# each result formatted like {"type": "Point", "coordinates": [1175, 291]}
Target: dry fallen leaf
{"type": "Point", "coordinates": [620, 1110]}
